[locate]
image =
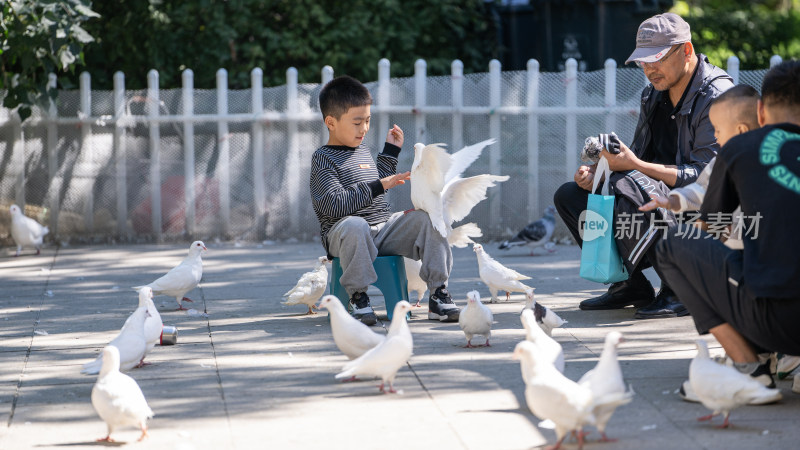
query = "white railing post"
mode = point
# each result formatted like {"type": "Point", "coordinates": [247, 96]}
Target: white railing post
{"type": "Point", "coordinates": [384, 99]}
{"type": "Point", "coordinates": [223, 163]}
{"type": "Point", "coordinates": [533, 140]}
{"type": "Point", "coordinates": [611, 95]}
{"type": "Point", "coordinates": [152, 105]}
{"type": "Point", "coordinates": [327, 75]}
{"type": "Point", "coordinates": [18, 156]}
{"type": "Point", "coordinates": [52, 159]}
{"type": "Point", "coordinates": [189, 194]}
{"type": "Point", "coordinates": [495, 100]}
{"type": "Point", "coordinates": [87, 152]}
{"type": "Point", "coordinates": [420, 100]}
{"type": "Point", "coordinates": [293, 161]}
{"type": "Point", "coordinates": [457, 86]}
{"type": "Point", "coordinates": [570, 138]}
{"type": "Point", "coordinates": [733, 68]}
{"type": "Point", "coordinates": [120, 163]}
{"type": "Point", "coordinates": [775, 60]}
{"type": "Point", "coordinates": [259, 171]}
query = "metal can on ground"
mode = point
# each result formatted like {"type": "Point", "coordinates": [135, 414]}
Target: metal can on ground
{"type": "Point", "coordinates": [169, 335]}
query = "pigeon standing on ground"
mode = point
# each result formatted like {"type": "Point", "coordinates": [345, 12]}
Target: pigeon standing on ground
{"type": "Point", "coordinates": [117, 398]}
{"type": "Point", "coordinates": [385, 359]}
{"type": "Point", "coordinates": [551, 395]}
{"type": "Point", "coordinates": [26, 231]}
{"type": "Point", "coordinates": [536, 234]}
{"type": "Point", "coordinates": [130, 342]}
{"type": "Point", "coordinates": [549, 348]}
{"type": "Point", "coordinates": [182, 278]}
{"type": "Point", "coordinates": [351, 336]}
{"type": "Point", "coordinates": [153, 326]}
{"type": "Point", "coordinates": [309, 287]}
{"type": "Point", "coordinates": [498, 277]}
{"type": "Point", "coordinates": [475, 319]}
{"type": "Point", "coordinates": [605, 381]}
{"type": "Point", "coordinates": [545, 317]}
{"type": "Point", "coordinates": [415, 282]}
{"type": "Point", "coordinates": [722, 388]}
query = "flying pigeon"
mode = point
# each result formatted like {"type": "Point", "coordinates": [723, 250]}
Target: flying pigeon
{"type": "Point", "coordinates": [415, 283]}
{"type": "Point", "coordinates": [117, 398]}
{"type": "Point", "coordinates": [26, 231]}
{"type": "Point", "coordinates": [309, 287]}
{"type": "Point", "coordinates": [438, 189]}
{"type": "Point", "coordinates": [475, 318]}
{"type": "Point", "coordinates": [498, 277]}
{"type": "Point", "coordinates": [604, 380]}
{"type": "Point", "coordinates": [722, 388]}
{"type": "Point", "coordinates": [182, 278]}
{"type": "Point", "coordinates": [351, 336]}
{"type": "Point", "coordinates": [545, 317]}
{"type": "Point", "coordinates": [551, 395]}
{"type": "Point", "coordinates": [536, 234]}
{"type": "Point", "coordinates": [549, 348]}
{"type": "Point", "coordinates": [386, 358]}
{"type": "Point", "coordinates": [153, 325]}
{"type": "Point", "coordinates": [130, 343]}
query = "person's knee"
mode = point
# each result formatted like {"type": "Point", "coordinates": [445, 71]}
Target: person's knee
{"type": "Point", "coordinates": [564, 194]}
{"type": "Point", "coordinates": [353, 226]}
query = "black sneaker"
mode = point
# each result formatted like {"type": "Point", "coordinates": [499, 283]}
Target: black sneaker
{"type": "Point", "coordinates": [441, 306]}
{"type": "Point", "coordinates": [362, 310]}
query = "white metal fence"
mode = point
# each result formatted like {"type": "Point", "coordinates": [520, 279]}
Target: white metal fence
{"type": "Point", "coordinates": [234, 164]}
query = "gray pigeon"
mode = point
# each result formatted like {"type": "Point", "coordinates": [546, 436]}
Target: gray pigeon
{"type": "Point", "coordinates": [536, 234]}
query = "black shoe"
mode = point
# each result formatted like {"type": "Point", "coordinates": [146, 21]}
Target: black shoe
{"type": "Point", "coordinates": [362, 310]}
{"type": "Point", "coordinates": [636, 291]}
{"type": "Point", "coordinates": [441, 306]}
{"type": "Point", "coordinates": [665, 305]}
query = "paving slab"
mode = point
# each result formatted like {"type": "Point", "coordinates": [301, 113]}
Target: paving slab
{"type": "Point", "coordinates": [249, 372]}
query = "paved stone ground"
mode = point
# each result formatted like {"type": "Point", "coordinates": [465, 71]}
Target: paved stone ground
{"type": "Point", "coordinates": [258, 374]}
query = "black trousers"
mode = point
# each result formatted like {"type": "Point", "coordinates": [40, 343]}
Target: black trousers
{"type": "Point", "coordinates": [708, 278]}
{"type": "Point", "coordinates": [570, 201]}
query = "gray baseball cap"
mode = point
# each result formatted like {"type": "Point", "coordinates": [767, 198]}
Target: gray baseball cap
{"type": "Point", "coordinates": [657, 34]}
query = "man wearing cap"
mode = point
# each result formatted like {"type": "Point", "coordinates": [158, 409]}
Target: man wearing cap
{"type": "Point", "coordinates": [672, 143]}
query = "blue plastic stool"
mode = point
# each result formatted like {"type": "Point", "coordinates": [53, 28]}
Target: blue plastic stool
{"type": "Point", "coordinates": [392, 281]}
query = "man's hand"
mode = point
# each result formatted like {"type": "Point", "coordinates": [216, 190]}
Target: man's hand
{"type": "Point", "coordinates": [396, 179]}
{"type": "Point", "coordinates": [671, 202]}
{"type": "Point", "coordinates": [585, 176]}
{"type": "Point", "coordinates": [395, 136]}
{"type": "Point", "coordinates": [623, 161]}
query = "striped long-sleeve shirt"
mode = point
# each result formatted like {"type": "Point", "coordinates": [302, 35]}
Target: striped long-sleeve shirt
{"type": "Point", "coordinates": [345, 181]}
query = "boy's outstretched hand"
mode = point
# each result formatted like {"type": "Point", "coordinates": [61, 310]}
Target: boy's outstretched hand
{"type": "Point", "coordinates": [395, 136]}
{"type": "Point", "coordinates": [670, 202]}
{"type": "Point", "coordinates": [395, 180]}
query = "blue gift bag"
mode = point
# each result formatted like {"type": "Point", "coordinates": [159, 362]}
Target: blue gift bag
{"type": "Point", "coordinates": [600, 260]}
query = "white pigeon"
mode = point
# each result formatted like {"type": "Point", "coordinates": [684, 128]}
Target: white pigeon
{"type": "Point", "coordinates": [549, 348]}
{"type": "Point", "coordinates": [722, 388]}
{"type": "Point", "coordinates": [182, 278]}
{"type": "Point", "coordinates": [551, 395]}
{"type": "Point", "coordinates": [604, 380]}
{"type": "Point", "coordinates": [535, 234]}
{"type": "Point", "coordinates": [545, 317]}
{"type": "Point", "coordinates": [415, 282]}
{"type": "Point", "coordinates": [386, 358]}
{"type": "Point", "coordinates": [436, 188]}
{"type": "Point", "coordinates": [351, 336]}
{"type": "Point", "coordinates": [26, 231]}
{"type": "Point", "coordinates": [130, 342]}
{"type": "Point", "coordinates": [475, 319]}
{"type": "Point", "coordinates": [117, 398]}
{"type": "Point", "coordinates": [153, 326]}
{"type": "Point", "coordinates": [498, 277]}
{"type": "Point", "coordinates": [309, 287]}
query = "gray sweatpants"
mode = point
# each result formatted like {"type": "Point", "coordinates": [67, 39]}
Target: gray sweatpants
{"type": "Point", "coordinates": [411, 234]}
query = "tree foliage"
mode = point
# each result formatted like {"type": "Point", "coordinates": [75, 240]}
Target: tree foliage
{"type": "Point", "coordinates": [39, 37]}
{"type": "Point", "coordinates": [752, 31]}
{"type": "Point", "coordinates": [135, 36]}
